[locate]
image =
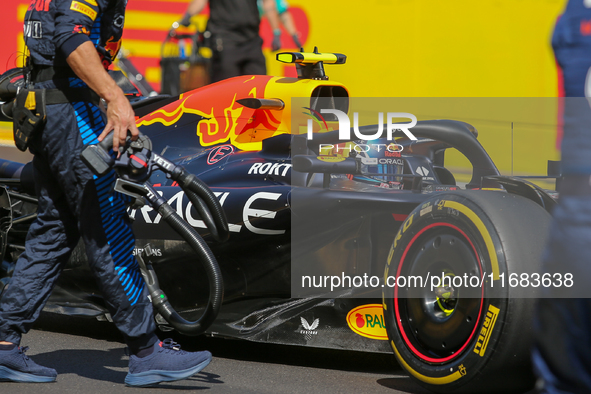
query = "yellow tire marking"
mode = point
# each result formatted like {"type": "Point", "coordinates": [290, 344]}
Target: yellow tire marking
{"type": "Point", "coordinates": [491, 316]}
{"type": "Point", "coordinates": [437, 381]}
{"type": "Point", "coordinates": [494, 262]}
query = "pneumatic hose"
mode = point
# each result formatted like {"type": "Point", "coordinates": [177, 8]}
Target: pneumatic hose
{"type": "Point", "coordinates": [216, 289]}
{"type": "Point", "coordinates": [190, 183]}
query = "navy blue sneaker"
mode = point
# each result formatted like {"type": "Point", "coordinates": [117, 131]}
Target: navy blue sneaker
{"type": "Point", "coordinates": [167, 363]}
{"type": "Point", "coordinates": [15, 366]}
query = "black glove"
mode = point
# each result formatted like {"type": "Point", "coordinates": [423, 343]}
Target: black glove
{"type": "Point", "coordinates": [276, 45]}
{"type": "Point", "coordinates": [186, 21]}
{"type": "Point", "coordinates": [296, 40]}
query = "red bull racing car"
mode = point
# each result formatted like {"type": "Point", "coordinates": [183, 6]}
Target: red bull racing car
{"type": "Point", "coordinates": [320, 228]}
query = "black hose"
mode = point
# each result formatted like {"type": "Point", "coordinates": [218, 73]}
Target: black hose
{"type": "Point", "coordinates": [214, 275]}
{"type": "Point", "coordinates": [188, 181]}
{"type": "Point", "coordinates": [6, 111]}
{"type": "Point", "coordinates": [205, 215]}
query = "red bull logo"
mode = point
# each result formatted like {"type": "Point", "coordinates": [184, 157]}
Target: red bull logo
{"type": "Point", "coordinates": [112, 47]}
{"type": "Point", "coordinates": [81, 29]}
{"type": "Point", "coordinates": [225, 120]}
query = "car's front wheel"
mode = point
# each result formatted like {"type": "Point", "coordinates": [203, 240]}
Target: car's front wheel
{"type": "Point", "coordinates": [463, 327]}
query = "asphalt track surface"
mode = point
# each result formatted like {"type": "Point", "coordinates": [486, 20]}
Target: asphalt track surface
{"type": "Point", "coordinates": [89, 358]}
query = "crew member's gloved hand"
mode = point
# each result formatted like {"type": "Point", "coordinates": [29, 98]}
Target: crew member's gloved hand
{"type": "Point", "coordinates": [186, 21]}
{"type": "Point", "coordinates": [296, 41]}
{"type": "Point", "coordinates": [276, 44]}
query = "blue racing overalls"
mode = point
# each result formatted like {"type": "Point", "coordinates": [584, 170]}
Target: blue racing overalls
{"type": "Point", "coordinates": [74, 203]}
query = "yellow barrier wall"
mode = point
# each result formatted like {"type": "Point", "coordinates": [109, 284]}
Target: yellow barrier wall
{"type": "Point", "coordinates": [426, 48]}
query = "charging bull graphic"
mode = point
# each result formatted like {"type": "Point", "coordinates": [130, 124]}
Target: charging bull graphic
{"type": "Point", "coordinates": [223, 120]}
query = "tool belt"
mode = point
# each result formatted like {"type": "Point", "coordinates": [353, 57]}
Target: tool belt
{"type": "Point", "coordinates": [41, 73]}
{"type": "Point", "coordinates": [29, 113]}
{"type": "Point", "coordinates": [57, 96]}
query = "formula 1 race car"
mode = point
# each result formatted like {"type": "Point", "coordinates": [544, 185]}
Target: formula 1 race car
{"type": "Point", "coordinates": [297, 209]}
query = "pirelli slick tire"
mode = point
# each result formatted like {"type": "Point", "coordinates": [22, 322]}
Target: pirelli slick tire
{"type": "Point", "coordinates": [458, 338]}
